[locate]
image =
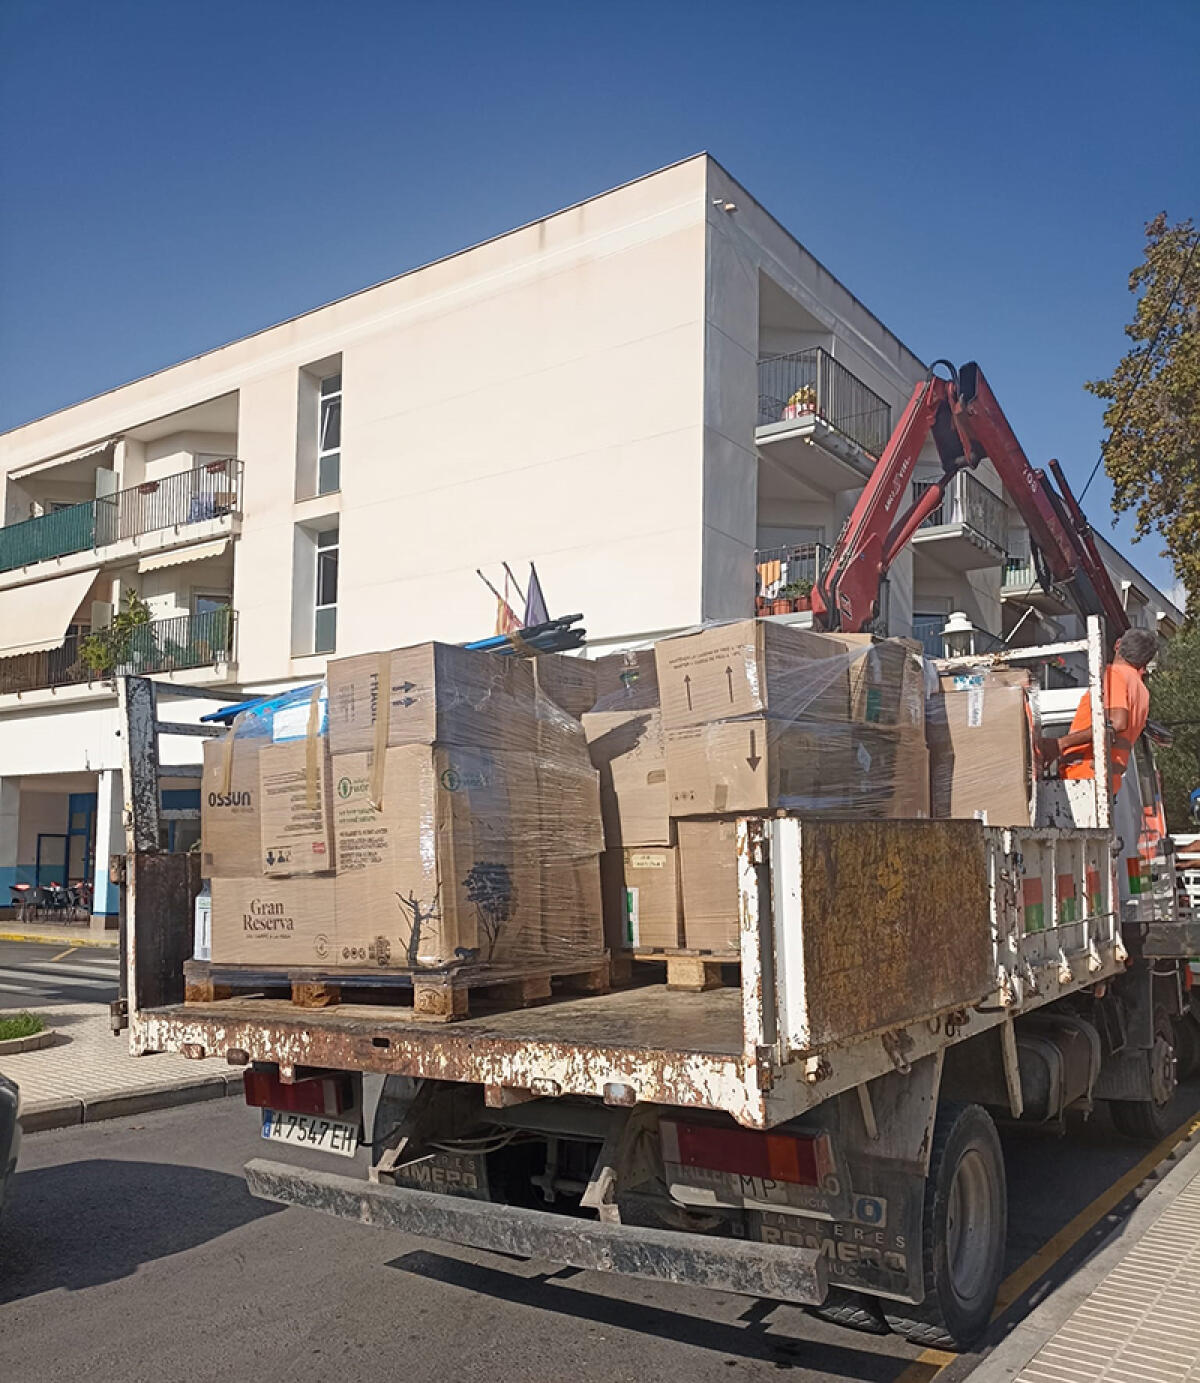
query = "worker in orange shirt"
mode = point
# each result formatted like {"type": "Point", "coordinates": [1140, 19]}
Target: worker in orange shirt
{"type": "Point", "coordinates": [1126, 704]}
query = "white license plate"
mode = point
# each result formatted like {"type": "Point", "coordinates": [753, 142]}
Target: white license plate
{"type": "Point", "coordinates": [311, 1131]}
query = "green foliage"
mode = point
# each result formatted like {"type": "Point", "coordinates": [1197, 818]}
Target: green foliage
{"type": "Point", "coordinates": [1152, 453]}
{"type": "Point", "coordinates": [20, 1025]}
{"type": "Point", "coordinates": [1175, 702]}
{"type": "Point", "coordinates": [796, 589]}
{"type": "Point", "coordinates": [107, 649]}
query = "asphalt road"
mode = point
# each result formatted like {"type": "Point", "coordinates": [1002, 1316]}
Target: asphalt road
{"type": "Point", "coordinates": [33, 975]}
{"type": "Point", "coordinates": [131, 1250]}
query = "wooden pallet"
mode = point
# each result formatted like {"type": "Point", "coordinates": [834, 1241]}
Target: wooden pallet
{"type": "Point", "coordinates": [689, 969]}
{"type": "Point", "coordinates": [431, 996]}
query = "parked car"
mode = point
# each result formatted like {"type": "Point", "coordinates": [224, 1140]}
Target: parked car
{"type": "Point", "coordinates": [10, 1132]}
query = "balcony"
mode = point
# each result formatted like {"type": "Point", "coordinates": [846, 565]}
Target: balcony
{"type": "Point", "coordinates": [202, 496]}
{"type": "Point", "coordinates": [161, 646]}
{"type": "Point", "coordinates": [820, 421]}
{"type": "Point", "coordinates": [968, 530]}
{"type": "Point", "coordinates": [1021, 585]}
{"type": "Point", "coordinates": [781, 569]}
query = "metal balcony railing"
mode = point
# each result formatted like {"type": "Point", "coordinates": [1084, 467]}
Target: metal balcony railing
{"type": "Point", "coordinates": [205, 492]}
{"type": "Point", "coordinates": [968, 502]}
{"type": "Point", "coordinates": [1019, 570]}
{"type": "Point", "coordinates": [812, 383]}
{"type": "Point", "coordinates": [162, 645]}
{"type": "Point", "coordinates": [779, 567]}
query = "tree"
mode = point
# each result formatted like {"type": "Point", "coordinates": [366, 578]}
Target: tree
{"type": "Point", "coordinates": [1152, 453]}
{"type": "Point", "coordinates": [1175, 702]}
{"type": "Point", "coordinates": [110, 648]}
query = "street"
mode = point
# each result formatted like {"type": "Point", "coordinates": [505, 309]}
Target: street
{"type": "Point", "coordinates": [33, 975]}
{"type": "Point", "coordinates": [131, 1250]}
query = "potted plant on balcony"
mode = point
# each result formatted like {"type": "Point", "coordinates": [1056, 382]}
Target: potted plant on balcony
{"type": "Point", "coordinates": [103, 651]}
{"type": "Point", "coordinates": [803, 401]}
{"type": "Point", "coordinates": [802, 593]}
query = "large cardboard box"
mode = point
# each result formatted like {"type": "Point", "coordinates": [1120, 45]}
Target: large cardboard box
{"type": "Point", "coordinates": [297, 834]}
{"type": "Point", "coordinates": [444, 868]}
{"type": "Point", "coordinates": [431, 693]}
{"type": "Point", "coordinates": [568, 802]}
{"type": "Point", "coordinates": [760, 764]}
{"type": "Point", "coordinates": [230, 833]}
{"type": "Point", "coordinates": [270, 922]}
{"type": "Point", "coordinates": [752, 667]}
{"type": "Point", "coordinates": [572, 909]}
{"type": "Point", "coordinates": [887, 681]}
{"type": "Point", "coordinates": [981, 733]}
{"type": "Point", "coordinates": [570, 683]}
{"type": "Point", "coordinates": [642, 899]}
{"type": "Point", "coordinates": [626, 681]}
{"type": "Point", "coordinates": [708, 869]}
{"type": "Point", "coordinates": [628, 749]}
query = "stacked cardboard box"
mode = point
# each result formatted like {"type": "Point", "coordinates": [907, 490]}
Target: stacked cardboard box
{"type": "Point", "coordinates": [455, 798]}
{"type": "Point", "coordinates": [640, 873]}
{"type": "Point", "coordinates": [982, 734]}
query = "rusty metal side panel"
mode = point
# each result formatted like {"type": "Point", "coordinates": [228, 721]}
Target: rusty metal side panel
{"type": "Point", "coordinates": [894, 924]}
{"type": "Point", "coordinates": [162, 891]}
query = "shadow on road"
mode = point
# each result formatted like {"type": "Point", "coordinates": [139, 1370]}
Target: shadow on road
{"type": "Point", "coordinates": [749, 1341]}
{"type": "Point", "coordinates": [84, 1223]}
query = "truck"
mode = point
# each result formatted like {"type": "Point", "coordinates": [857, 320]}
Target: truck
{"type": "Point", "coordinates": [822, 1132]}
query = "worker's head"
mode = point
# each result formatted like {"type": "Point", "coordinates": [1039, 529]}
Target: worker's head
{"type": "Point", "coordinates": [1138, 646]}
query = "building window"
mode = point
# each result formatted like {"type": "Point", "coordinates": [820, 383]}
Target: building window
{"type": "Point", "coordinates": [325, 611]}
{"type": "Point", "coordinates": [329, 435]}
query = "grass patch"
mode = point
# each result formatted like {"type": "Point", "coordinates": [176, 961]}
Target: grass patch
{"type": "Point", "coordinates": [20, 1025]}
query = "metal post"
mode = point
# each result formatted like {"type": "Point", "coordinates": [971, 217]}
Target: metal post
{"type": "Point", "coordinates": [1102, 779]}
{"type": "Point", "coordinates": [137, 705]}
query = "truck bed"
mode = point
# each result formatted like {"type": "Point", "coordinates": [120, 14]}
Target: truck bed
{"type": "Point", "coordinates": [864, 946]}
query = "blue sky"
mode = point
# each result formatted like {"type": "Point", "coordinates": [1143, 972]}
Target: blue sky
{"type": "Point", "coordinates": [179, 174]}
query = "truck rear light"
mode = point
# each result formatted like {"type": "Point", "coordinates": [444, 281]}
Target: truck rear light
{"type": "Point", "coordinates": [805, 1159]}
{"type": "Point", "coordinates": [313, 1095]}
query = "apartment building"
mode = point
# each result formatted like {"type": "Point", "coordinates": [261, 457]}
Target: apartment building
{"type": "Point", "coordinates": [656, 395]}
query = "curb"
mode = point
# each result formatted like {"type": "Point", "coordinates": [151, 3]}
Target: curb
{"type": "Point", "coordinates": [42, 939]}
{"type": "Point", "coordinates": [1018, 1349]}
{"type": "Point", "coordinates": [42, 1115]}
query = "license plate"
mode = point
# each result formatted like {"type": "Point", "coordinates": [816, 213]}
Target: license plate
{"type": "Point", "coordinates": [311, 1131]}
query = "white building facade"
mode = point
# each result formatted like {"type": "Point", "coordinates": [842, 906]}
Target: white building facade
{"type": "Point", "coordinates": [655, 395]}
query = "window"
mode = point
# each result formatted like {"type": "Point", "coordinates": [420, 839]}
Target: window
{"type": "Point", "coordinates": [329, 435]}
{"type": "Point", "coordinates": [325, 616]}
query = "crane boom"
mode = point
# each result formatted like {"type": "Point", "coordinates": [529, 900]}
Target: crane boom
{"type": "Point", "coordinates": [967, 425]}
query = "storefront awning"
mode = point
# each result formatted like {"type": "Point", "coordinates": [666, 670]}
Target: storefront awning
{"type": "Point", "coordinates": [178, 556]}
{"type": "Point", "coordinates": [35, 618]}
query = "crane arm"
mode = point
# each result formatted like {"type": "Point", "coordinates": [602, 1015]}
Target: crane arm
{"type": "Point", "coordinates": [967, 424]}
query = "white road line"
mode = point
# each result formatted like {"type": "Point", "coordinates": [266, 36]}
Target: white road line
{"type": "Point", "coordinates": [33, 980]}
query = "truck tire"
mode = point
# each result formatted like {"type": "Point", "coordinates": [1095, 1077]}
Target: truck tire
{"type": "Point", "coordinates": [962, 1233]}
{"type": "Point", "coordinates": [1187, 1046]}
{"type": "Point", "coordinates": [855, 1310]}
{"type": "Point", "coordinates": [1149, 1121]}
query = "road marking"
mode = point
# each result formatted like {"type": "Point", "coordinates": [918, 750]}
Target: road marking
{"type": "Point", "coordinates": [1018, 1282]}
{"type": "Point", "coordinates": [62, 955]}
{"type": "Point", "coordinates": [33, 980]}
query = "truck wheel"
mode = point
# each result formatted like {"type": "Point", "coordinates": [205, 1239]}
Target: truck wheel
{"type": "Point", "coordinates": [1149, 1121]}
{"type": "Point", "coordinates": [962, 1233]}
{"type": "Point", "coordinates": [855, 1310]}
{"type": "Point", "coordinates": [1187, 1046]}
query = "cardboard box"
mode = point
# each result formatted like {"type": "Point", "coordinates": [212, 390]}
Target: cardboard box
{"type": "Point", "coordinates": [752, 667]}
{"type": "Point", "coordinates": [295, 825]}
{"type": "Point", "coordinates": [570, 683]}
{"type": "Point", "coordinates": [887, 683]}
{"type": "Point", "coordinates": [572, 909]}
{"type": "Point", "coordinates": [447, 868]}
{"type": "Point", "coordinates": [230, 830]}
{"type": "Point", "coordinates": [981, 733]}
{"type": "Point", "coordinates": [628, 749]}
{"type": "Point", "coordinates": [708, 869]}
{"type": "Point", "coordinates": [642, 899]}
{"type": "Point", "coordinates": [270, 922]}
{"type": "Point", "coordinates": [432, 693]}
{"type": "Point", "coordinates": [627, 681]}
{"type": "Point", "coordinates": [569, 803]}
{"type": "Point", "coordinates": [759, 764]}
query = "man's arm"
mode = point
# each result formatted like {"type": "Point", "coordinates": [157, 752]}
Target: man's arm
{"type": "Point", "coordinates": [1118, 721]}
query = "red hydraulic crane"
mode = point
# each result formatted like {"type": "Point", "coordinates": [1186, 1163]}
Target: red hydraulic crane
{"type": "Point", "coordinates": [967, 425]}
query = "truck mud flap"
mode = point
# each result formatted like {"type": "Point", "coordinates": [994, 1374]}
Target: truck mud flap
{"type": "Point", "coordinates": [777, 1272]}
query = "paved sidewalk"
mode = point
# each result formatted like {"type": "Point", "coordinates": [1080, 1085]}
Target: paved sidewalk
{"type": "Point", "coordinates": [89, 1074]}
{"type": "Point", "coordinates": [1131, 1314]}
{"type": "Point", "coordinates": [57, 936]}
